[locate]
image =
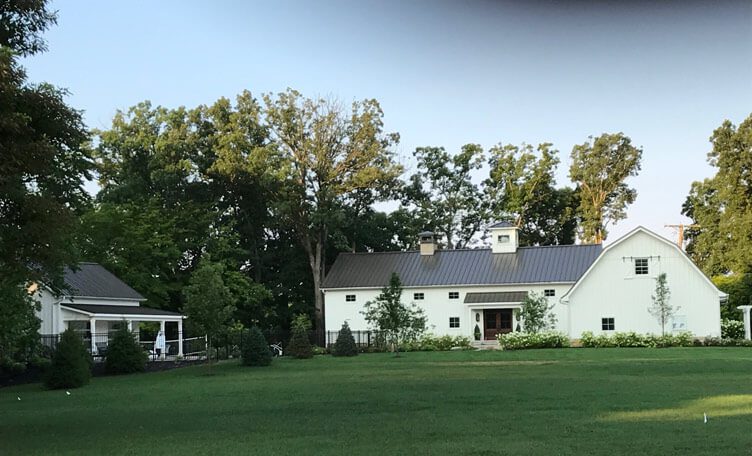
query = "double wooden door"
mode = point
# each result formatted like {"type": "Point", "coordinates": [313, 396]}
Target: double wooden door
{"type": "Point", "coordinates": [497, 321]}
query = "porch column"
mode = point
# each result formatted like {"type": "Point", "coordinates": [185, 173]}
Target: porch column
{"type": "Point", "coordinates": [129, 323]}
{"type": "Point", "coordinates": [93, 326]}
{"type": "Point", "coordinates": [180, 337]}
{"type": "Point", "coordinates": [747, 331]}
{"type": "Point", "coordinates": [162, 328]}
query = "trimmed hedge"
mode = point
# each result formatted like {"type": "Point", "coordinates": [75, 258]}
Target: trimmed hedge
{"type": "Point", "coordinates": [429, 342]}
{"type": "Point", "coordinates": [71, 363]}
{"type": "Point", "coordinates": [721, 342]}
{"type": "Point", "coordinates": [124, 354]}
{"type": "Point", "coordinates": [635, 340]}
{"type": "Point", "coordinates": [521, 341]}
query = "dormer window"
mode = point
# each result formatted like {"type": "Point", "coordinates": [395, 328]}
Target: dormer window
{"type": "Point", "coordinates": [503, 239]}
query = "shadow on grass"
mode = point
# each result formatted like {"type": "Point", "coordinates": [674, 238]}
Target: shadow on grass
{"type": "Point", "coordinates": [714, 406]}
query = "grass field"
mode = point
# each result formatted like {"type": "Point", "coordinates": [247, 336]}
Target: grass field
{"type": "Point", "coordinates": [546, 402]}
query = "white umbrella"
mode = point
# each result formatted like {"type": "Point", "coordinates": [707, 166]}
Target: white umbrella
{"type": "Point", "coordinates": [159, 344]}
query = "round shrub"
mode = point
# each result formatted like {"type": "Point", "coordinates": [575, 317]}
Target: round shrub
{"type": "Point", "coordinates": [124, 354]}
{"type": "Point", "coordinates": [345, 344]}
{"type": "Point", "coordinates": [71, 363]}
{"type": "Point", "coordinates": [732, 329]}
{"type": "Point", "coordinates": [300, 346]}
{"type": "Point", "coordinates": [256, 351]}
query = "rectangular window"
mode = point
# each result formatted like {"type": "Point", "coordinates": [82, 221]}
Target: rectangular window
{"type": "Point", "coordinates": [607, 324]}
{"type": "Point", "coordinates": [350, 298]}
{"type": "Point", "coordinates": [503, 239]}
{"type": "Point", "coordinates": [454, 295]}
{"type": "Point", "coordinates": [418, 296]}
{"type": "Point", "coordinates": [454, 322]}
{"type": "Point", "coordinates": [549, 293]}
{"type": "Point", "coordinates": [641, 266]}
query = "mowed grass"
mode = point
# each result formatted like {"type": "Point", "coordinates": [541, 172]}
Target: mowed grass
{"type": "Point", "coordinates": [546, 402]}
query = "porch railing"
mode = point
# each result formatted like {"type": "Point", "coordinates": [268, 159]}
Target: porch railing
{"type": "Point", "coordinates": [193, 347]}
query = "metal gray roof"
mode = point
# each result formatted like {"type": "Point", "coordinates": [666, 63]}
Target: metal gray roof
{"type": "Point", "coordinates": [91, 280]}
{"type": "Point", "coordinates": [119, 310]}
{"type": "Point", "coordinates": [549, 264]}
{"type": "Point", "coordinates": [497, 296]}
{"type": "Point", "coordinates": [502, 225]}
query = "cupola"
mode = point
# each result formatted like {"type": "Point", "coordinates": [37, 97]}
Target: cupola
{"type": "Point", "coordinates": [504, 237]}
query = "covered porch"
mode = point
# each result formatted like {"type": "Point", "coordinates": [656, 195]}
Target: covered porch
{"type": "Point", "coordinates": [97, 322]}
{"type": "Point", "coordinates": [494, 313]}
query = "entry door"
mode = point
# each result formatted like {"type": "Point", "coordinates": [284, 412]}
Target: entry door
{"type": "Point", "coordinates": [497, 321]}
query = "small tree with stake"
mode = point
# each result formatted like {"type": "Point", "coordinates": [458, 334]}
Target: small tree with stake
{"type": "Point", "coordinates": [662, 309]}
{"type": "Point", "coordinates": [396, 321]}
{"type": "Point", "coordinates": [536, 313]}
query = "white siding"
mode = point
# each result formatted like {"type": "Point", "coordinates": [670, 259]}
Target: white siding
{"type": "Point", "coordinates": [437, 306]}
{"type": "Point", "coordinates": [611, 289]}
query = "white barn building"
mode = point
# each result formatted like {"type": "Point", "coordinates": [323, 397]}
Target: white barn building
{"type": "Point", "coordinates": [591, 288]}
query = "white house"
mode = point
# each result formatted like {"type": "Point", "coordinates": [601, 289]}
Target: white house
{"type": "Point", "coordinates": [467, 291]}
{"type": "Point", "coordinates": [94, 302]}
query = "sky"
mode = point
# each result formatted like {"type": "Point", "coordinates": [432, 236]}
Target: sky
{"type": "Point", "coordinates": [445, 73]}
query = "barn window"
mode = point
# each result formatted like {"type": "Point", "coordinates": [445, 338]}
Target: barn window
{"type": "Point", "coordinates": [503, 239]}
{"type": "Point", "coordinates": [350, 298]}
{"type": "Point", "coordinates": [454, 295]}
{"type": "Point", "coordinates": [418, 296]}
{"type": "Point", "coordinates": [454, 322]}
{"type": "Point", "coordinates": [549, 293]}
{"type": "Point", "coordinates": [641, 266]}
{"type": "Point", "coordinates": [607, 324]}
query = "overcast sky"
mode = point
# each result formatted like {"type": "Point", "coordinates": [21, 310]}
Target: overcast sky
{"type": "Point", "coordinates": [445, 73]}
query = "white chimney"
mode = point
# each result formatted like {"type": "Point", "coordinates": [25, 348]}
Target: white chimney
{"type": "Point", "coordinates": [504, 237]}
{"type": "Point", "coordinates": [427, 243]}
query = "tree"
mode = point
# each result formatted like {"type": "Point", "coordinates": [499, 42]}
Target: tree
{"type": "Point", "coordinates": [536, 313]}
{"type": "Point", "coordinates": [42, 172]}
{"type": "Point", "coordinates": [722, 205]}
{"type": "Point", "coordinates": [329, 156]}
{"type": "Point", "coordinates": [71, 363]}
{"type": "Point", "coordinates": [300, 345]}
{"type": "Point", "coordinates": [124, 354]}
{"type": "Point", "coordinates": [521, 187]}
{"type": "Point", "coordinates": [600, 168]}
{"type": "Point", "coordinates": [661, 308]}
{"type": "Point", "coordinates": [396, 321]}
{"type": "Point", "coordinates": [208, 302]}
{"type": "Point", "coordinates": [442, 197]}
{"type": "Point", "coordinates": [255, 349]}
{"type": "Point", "coordinates": [345, 344]}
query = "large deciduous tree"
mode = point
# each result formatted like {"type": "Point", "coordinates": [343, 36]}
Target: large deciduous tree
{"type": "Point", "coordinates": [722, 205]}
{"type": "Point", "coordinates": [521, 186]}
{"type": "Point", "coordinates": [442, 197]}
{"type": "Point", "coordinates": [330, 156]}
{"type": "Point", "coordinates": [42, 173]}
{"type": "Point", "coordinates": [600, 167]}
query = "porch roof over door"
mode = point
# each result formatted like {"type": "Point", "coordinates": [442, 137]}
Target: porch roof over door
{"type": "Point", "coordinates": [495, 297]}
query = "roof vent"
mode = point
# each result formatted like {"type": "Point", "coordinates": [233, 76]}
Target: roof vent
{"type": "Point", "coordinates": [427, 243]}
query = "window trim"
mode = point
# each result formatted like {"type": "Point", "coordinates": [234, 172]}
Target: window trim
{"type": "Point", "coordinates": [549, 292]}
{"type": "Point", "coordinates": [642, 267]}
{"type": "Point", "coordinates": [454, 295]}
{"type": "Point", "coordinates": [419, 296]}
{"type": "Point", "coordinates": [503, 239]}
{"type": "Point", "coordinates": [354, 298]}
{"type": "Point", "coordinates": [454, 324]}
{"type": "Point", "coordinates": [608, 324]}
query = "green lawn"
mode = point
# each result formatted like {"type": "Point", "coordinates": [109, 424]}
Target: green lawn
{"type": "Point", "coordinates": [547, 402]}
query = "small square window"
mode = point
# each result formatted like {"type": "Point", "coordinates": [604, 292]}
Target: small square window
{"type": "Point", "coordinates": [454, 322]}
{"type": "Point", "coordinates": [549, 293]}
{"type": "Point", "coordinates": [350, 298]}
{"type": "Point", "coordinates": [607, 324]}
{"type": "Point", "coordinates": [454, 295]}
{"type": "Point", "coordinates": [503, 239]}
{"type": "Point", "coordinates": [641, 266]}
{"type": "Point", "coordinates": [418, 296]}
